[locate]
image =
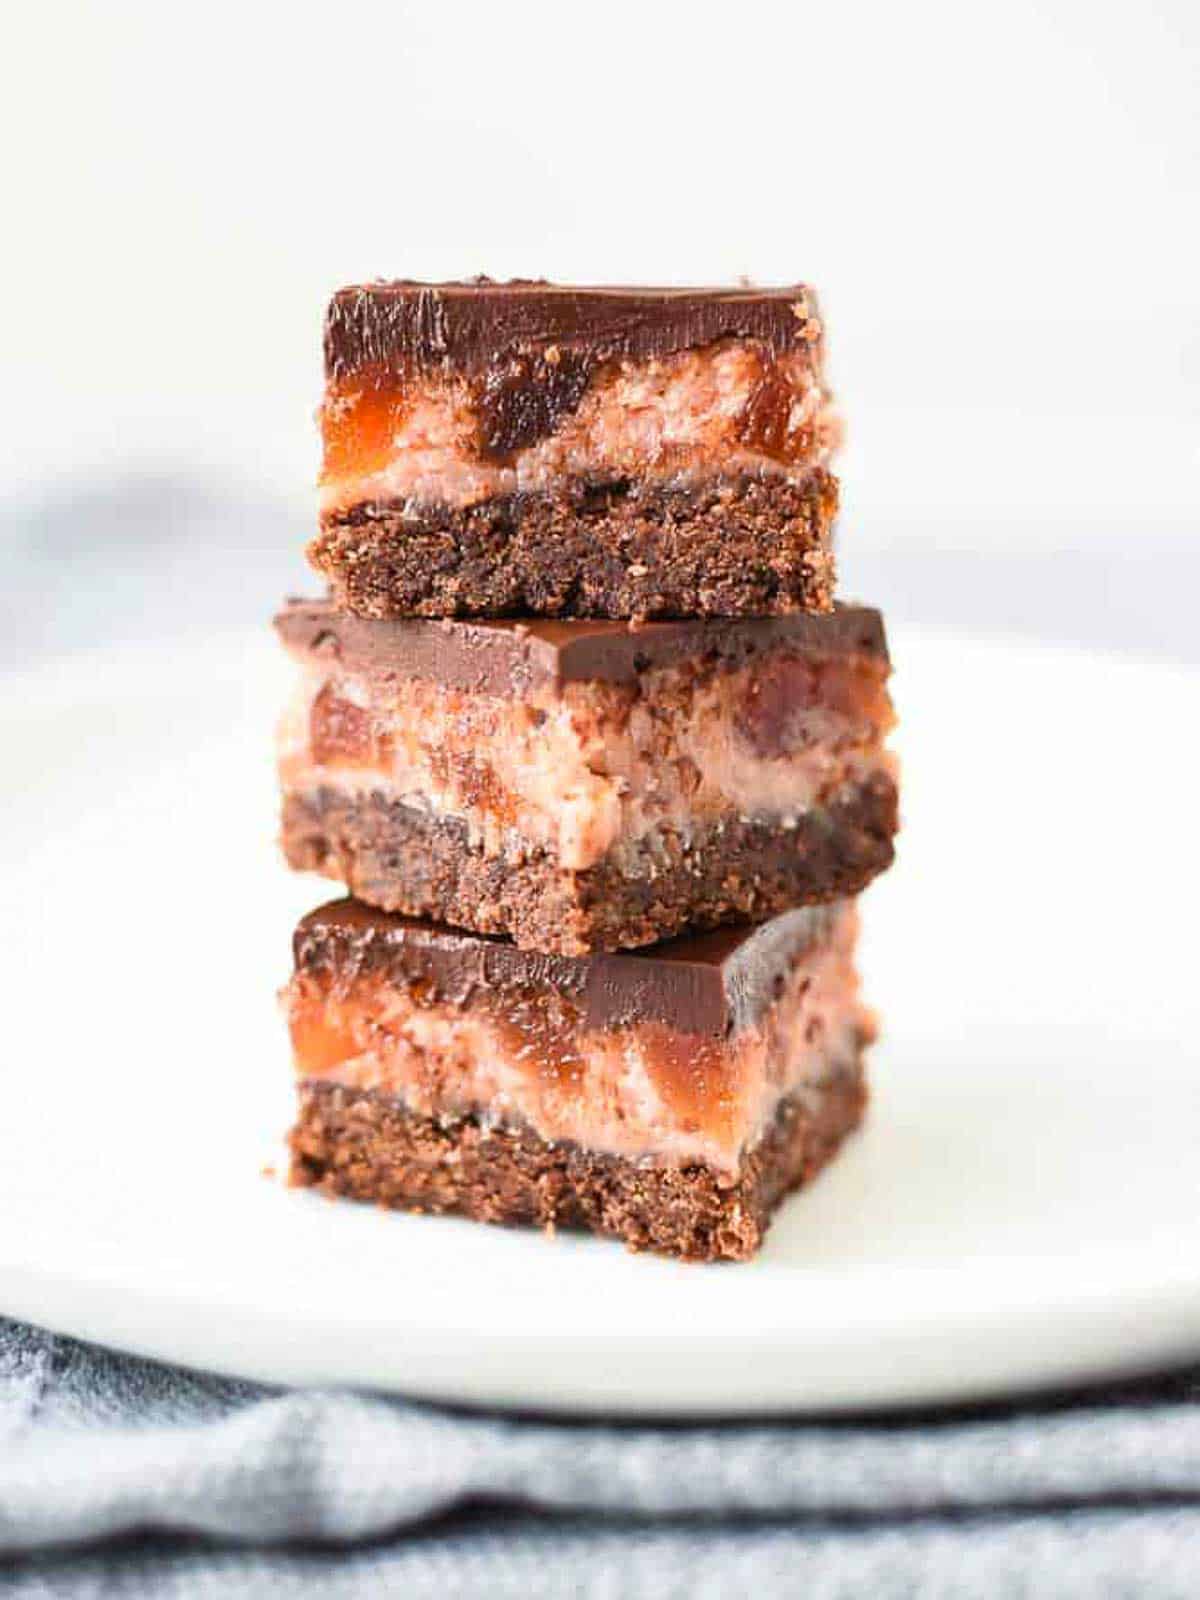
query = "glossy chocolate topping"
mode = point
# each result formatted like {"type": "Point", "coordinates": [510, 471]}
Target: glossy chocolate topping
{"type": "Point", "coordinates": [712, 983]}
{"type": "Point", "coordinates": [511, 657]}
{"type": "Point", "coordinates": [403, 327]}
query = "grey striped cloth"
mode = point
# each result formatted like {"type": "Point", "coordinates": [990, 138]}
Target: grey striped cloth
{"type": "Point", "coordinates": [119, 1476]}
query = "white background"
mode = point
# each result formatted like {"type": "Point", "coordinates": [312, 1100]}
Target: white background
{"type": "Point", "coordinates": [998, 203]}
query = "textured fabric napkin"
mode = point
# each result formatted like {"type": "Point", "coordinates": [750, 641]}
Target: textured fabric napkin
{"type": "Point", "coordinates": [119, 1476]}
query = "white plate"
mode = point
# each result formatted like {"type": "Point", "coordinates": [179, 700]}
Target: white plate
{"type": "Point", "coordinates": [1023, 1206]}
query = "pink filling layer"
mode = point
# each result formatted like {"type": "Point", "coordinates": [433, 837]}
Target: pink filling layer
{"type": "Point", "coordinates": [677, 417]}
{"type": "Point", "coordinates": [589, 769]}
{"type": "Point", "coordinates": [638, 1091]}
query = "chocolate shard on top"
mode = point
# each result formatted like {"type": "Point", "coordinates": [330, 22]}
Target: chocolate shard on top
{"type": "Point", "coordinates": [711, 984]}
{"type": "Point", "coordinates": [401, 328]}
{"type": "Point", "coordinates": [510, 657]}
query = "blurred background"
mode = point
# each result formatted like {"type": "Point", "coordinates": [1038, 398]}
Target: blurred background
{"type": "Point", "coordinates": [1000, 206]}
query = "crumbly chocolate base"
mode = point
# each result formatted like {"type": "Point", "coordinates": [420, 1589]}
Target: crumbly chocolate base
{"type": "Point", "coordinates": [401, 859]}
{"type": "Point", "coordinates": [734, 545]}
{"type": "Point", "coordinates": [365, 1146]}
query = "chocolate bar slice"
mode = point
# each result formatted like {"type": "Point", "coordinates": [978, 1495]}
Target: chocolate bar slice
{"type": "Point", "coordinates": [501, 448]}
{"type": "Point", "coordinates": [670, 1097]}
{"type": "Point", "coordinates": [588, 786]}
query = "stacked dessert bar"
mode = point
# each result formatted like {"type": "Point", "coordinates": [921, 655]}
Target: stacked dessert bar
{"type": "Point", "coordinates": [601, 762]}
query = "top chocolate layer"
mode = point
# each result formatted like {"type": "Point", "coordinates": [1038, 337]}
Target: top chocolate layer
{"type": "Point", "coordinates": [711, 983]}
{"type": "Point", "coordinates": [404, 327]}
{"type": "Point", "coordinates": [512, 657]}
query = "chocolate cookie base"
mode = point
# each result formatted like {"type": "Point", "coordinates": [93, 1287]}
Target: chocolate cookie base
{"type": "Point", "coordinates": [401, 859]}
{"type": "Point", "coordinates": [364, 1146]}
{"type": "Point", "coordinates": [731, 546]}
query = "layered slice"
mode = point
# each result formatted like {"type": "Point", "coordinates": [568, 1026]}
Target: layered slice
{"type": "Point", "coordinates": [492, 449]}
{"type": "Point", "coordinates": [670, 1097]}
{"type": "Point", "coordinates": [588, 786]}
